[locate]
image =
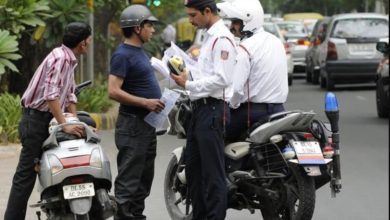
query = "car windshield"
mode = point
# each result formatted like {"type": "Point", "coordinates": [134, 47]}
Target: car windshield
{"type": "Point", "coordinates": [360, 28]}
{"type": "Point", "coordinates": [293, 28]}
{"type": "Point", "coordinates": [271, 28]}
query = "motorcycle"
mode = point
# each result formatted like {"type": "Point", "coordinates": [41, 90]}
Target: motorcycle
{"type": "Point", "coordinates": [276, 168]}
{"type": "Point", "coordinates": [74, 174]}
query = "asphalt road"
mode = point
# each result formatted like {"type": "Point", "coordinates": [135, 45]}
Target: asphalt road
{"type": "Point", "coordinates": [364, 160]}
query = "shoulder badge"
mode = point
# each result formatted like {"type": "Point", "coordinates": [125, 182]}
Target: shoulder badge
{"type": "Point", "coordinates": [224, 54]}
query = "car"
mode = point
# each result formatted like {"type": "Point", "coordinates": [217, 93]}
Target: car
{"type": "Point", "coordinates": [312, 69]}
{"type": "Point", "coordinates": [274, 29]}
{"type": "Point", "coordinates": [308, 18]}
{"type": "Point", "coordinates": [382, 81]}
{"type": "Point", "coordinates": [296, 36]}
{"type": "Point", "coordinates": [347, 53]}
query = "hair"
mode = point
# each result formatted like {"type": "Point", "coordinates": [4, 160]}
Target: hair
{"type": "Point", "coordinates": [74, 33]}
{"type": "Point", "coordinates": [212, 6]}
{"type": "Point", "coordinates": [128, 31]}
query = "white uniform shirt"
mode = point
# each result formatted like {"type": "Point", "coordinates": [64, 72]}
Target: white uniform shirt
{"type": "Point", "coordinates": [263, 63]}
{"type": "Point", "coordinates": [215, 65]}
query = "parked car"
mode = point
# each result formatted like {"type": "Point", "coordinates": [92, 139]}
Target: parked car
{"type": "Point", "coordinates": [312, 62]}
{"type": "Point", "coordinates": [296, 35]}
{"type": "Point", "coordinates": [382, 81]}
{"type": "Point", "coordinates": [274, 29]}
{"type": "Point", "coordinates": [347, 52]}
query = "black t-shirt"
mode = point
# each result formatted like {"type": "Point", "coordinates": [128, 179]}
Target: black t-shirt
{"type": "Point", "coordinates": [133, 65]}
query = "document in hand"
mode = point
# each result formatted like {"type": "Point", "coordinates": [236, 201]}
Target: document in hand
{"type": "Point", "coordinates": [157, 120]}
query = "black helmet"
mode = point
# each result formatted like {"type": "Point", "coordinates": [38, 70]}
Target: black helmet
{"type": "Point", "coordinates": [134, 15]}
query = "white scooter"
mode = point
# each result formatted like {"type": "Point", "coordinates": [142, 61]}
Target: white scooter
{"type": "Point", "coordinates": [75, 175]}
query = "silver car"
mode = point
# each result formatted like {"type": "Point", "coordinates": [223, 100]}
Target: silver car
{"type": "Point", "coordinates": [296, 35]}
{"type": "Point", "coordinates": [347, 52]}
{"type": "Point", "coordinates": [274, 29]}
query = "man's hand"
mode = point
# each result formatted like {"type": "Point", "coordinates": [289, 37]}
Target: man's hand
{"type": "Point", "coordinates": [77, 130]}
{"type": "Point", "coordinates": [154, 105]}
{"type": "Point", "coordinates": [180, 79]}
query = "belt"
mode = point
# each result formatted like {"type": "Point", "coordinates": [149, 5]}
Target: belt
{"type": "Point", "coordinates": [204, 101]}
{"type": "Point", "coordinates": [30, 111]}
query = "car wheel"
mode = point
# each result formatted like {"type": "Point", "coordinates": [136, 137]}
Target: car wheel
{"type": "Point", "coordinates": [315, 77]}
{"type": "Point", "coordinates": [382, 111]}
{"type": "Point", "coordinates": [329, 82]}
{"type": "Point", "coordinates": [308, 74]}
{"type": "Point", "coordinates": [322, 82]}
{"type": "Point", "coordinates": [290, 80]}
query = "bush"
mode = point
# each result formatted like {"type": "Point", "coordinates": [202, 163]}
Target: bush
{"type": "Point", "coordinates": [94, 99]}
{"type": "Point", "coordinates": [10, 114]}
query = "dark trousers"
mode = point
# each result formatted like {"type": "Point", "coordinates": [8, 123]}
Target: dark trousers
{"type": "Point", "coordinates": [239, 117]}
{"type": "Point", "coordinates": [33, 130]}
{"type": "Point", "coordinates": [205, 164]}
{"type": "Point", "coordinates": [136, 142]}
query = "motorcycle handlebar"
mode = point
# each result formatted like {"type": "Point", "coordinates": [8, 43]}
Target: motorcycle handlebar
{"type": "Point", "coordinates": [81, 86]}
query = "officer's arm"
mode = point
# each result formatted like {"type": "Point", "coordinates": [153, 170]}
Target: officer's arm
{"type": "Point", "coordinates": [240, 77]}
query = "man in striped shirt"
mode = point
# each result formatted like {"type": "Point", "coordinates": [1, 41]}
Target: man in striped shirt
{"type": "Point", "coordinates": [49, 93]}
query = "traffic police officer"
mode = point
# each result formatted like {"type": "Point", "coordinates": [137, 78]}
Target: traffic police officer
{"type": "Point", "coordinates": [209, 89]}
{"type": "Point", "coordinates": [260, 76]}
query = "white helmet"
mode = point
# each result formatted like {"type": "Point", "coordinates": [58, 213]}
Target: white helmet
{"type": "Point", "coordinates": [69, 117]}
{"type": "Point", "coordinates": [249, 11]}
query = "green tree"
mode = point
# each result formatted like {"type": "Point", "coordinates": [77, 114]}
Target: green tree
{"type": "Point", "coordinates": [8, 49]}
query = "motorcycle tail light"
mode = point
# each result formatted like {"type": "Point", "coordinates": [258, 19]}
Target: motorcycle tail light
{"type": "Point", "coordinates": [77, 180]}
{"type": "Point", "coordinates": [55, 164]}
{"type": "Point", "coordinates": [308, 136]}
{"type": "Point", "coordinates": [78, 161]}
{"type": "Point", "coordinates": [95, 160]}
{"type": "Point", "coordinates": [328, 152]}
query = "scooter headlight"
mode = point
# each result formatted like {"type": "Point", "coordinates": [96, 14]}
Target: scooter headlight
{"type": "Point", "coordinates": [96, 159]}
{"type": "Point", "coordinates": [55, 164]}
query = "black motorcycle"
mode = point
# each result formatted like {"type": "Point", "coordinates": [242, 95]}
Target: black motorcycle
{"type": "Point", "coordinates": [276, 168]}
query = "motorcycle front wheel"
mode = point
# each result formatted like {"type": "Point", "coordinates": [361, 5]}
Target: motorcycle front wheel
{"type": "Point", "coordinates": [297, 197]}
{"type": "Point", "coordinates": [176, 193]}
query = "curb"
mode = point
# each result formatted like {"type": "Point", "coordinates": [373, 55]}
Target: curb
{"type": "Point", "coordinates": [106, 121]}
{"type": "Point", "coordinates": [9, 150]}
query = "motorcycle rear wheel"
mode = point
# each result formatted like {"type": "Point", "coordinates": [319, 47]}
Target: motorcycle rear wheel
{"type": "Point", "coordinates": [175, 193]}
{"type": "Point", "coordinates": [297, 200]}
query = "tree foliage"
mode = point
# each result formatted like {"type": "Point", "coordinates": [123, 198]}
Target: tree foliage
{"type": "Point", "coordinates": [8, 49]}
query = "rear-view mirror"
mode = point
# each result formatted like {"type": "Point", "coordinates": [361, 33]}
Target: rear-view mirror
{"type": "Point", "coordinates": [382, 47]}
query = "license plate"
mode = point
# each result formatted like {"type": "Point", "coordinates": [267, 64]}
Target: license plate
{"type": "Point", "coordinates": [78, 190]}
{"type": "Point", "coordinates": [308, 152]}
{"type": "Point", "coordinates": [359, 48]}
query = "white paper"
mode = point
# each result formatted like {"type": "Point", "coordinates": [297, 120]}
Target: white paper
{"type": "Point", "coordinates": [162, 70]}
{"type": "Point", "coordinates": [157, 120]}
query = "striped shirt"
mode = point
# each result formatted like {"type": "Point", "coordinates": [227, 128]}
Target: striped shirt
{"type": "Point", "coordinates": [54, 79]}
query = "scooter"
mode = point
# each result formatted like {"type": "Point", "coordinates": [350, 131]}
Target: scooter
{"type": "Point", "coordinates": [74, 174]}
